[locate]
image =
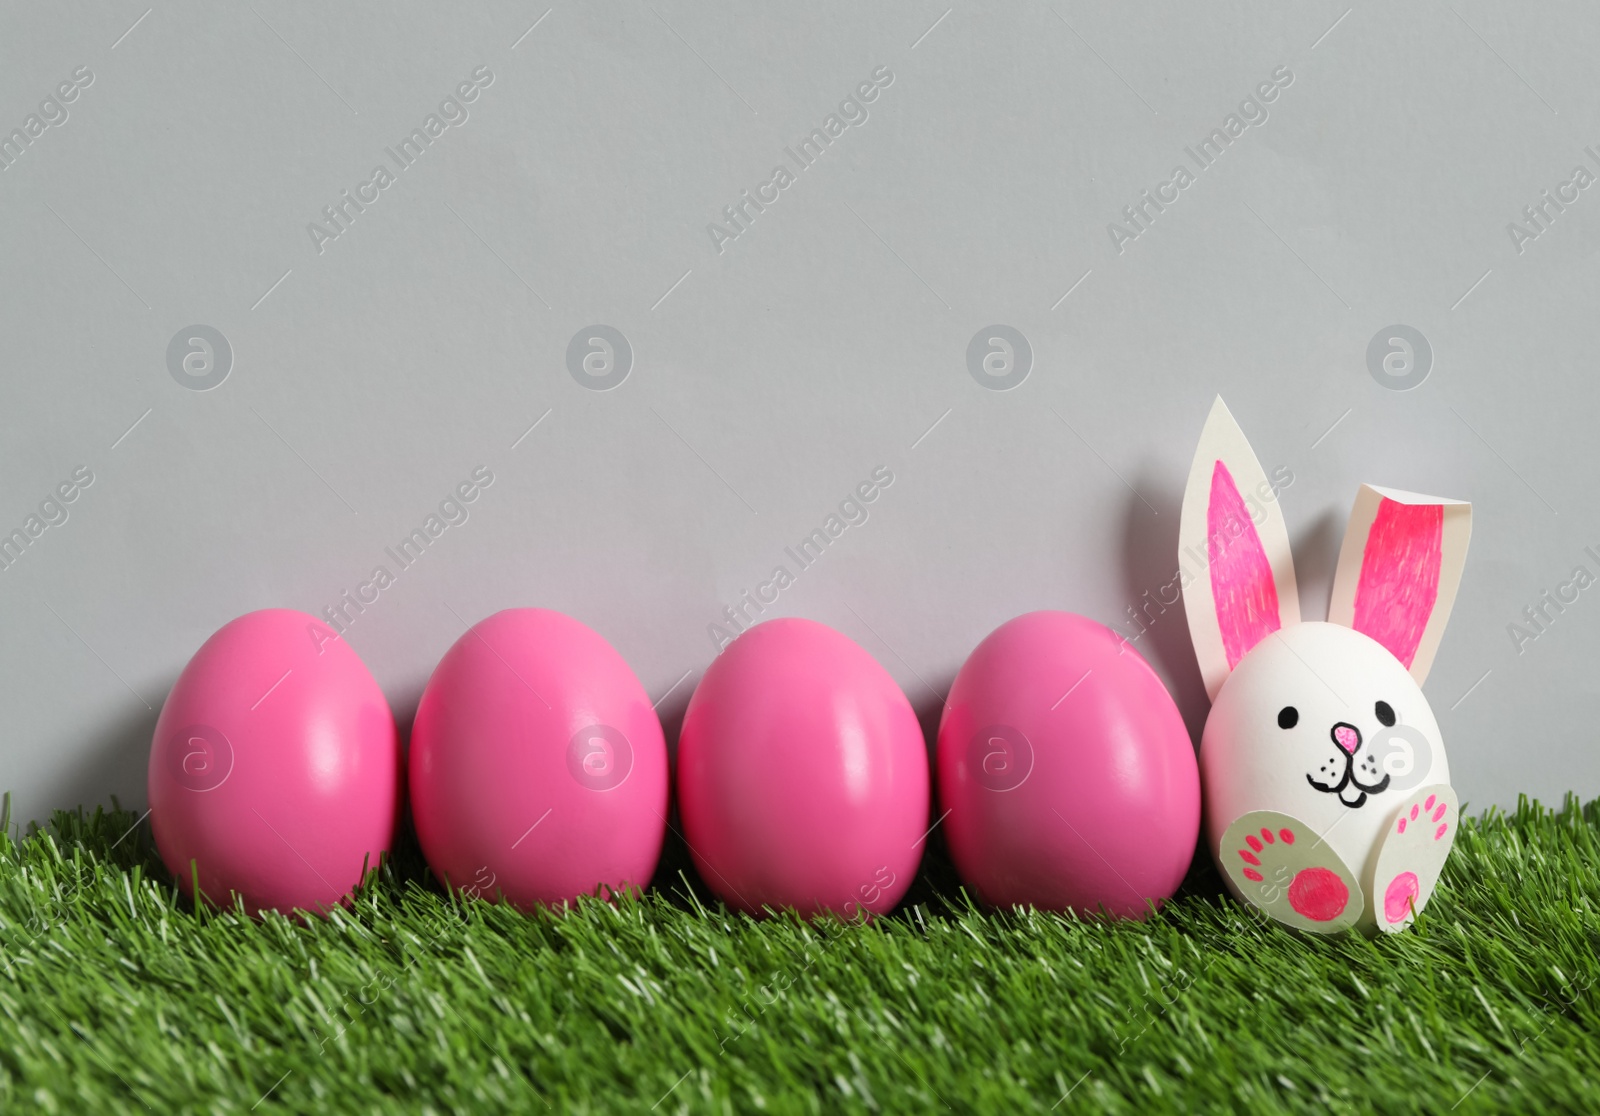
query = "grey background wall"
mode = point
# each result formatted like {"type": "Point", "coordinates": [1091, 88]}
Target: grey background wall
{"type": "Point", "coordinates": [356, 379]}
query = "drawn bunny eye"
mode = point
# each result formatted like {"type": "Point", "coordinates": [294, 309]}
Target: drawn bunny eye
{"type": "Point", "coordinates": [1385, 713]}
{"type": "Point", "coordinates": [1289, 716]}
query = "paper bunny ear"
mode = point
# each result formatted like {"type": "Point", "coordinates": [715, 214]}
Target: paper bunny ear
{"type": "Point", "coordinates": [1399, 570]}
{"type": "Point", "coordinates": [1233, 551]}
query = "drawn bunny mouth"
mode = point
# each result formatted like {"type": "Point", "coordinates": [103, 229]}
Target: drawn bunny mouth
{"type": "Point", "coordinates": [1341, 772]}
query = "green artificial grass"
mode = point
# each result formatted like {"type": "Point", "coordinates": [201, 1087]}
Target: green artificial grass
{"type": "Point", "coordinates": [117, 995]}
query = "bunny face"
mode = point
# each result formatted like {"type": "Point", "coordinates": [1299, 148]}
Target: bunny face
{"type": "Point", "coordinates": [1323, 723]}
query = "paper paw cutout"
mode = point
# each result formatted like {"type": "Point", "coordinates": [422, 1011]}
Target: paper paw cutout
{"type": "Point", "coordinates": [1412, 854]}
{"type": "Point", "coordinates": [1280, 865]}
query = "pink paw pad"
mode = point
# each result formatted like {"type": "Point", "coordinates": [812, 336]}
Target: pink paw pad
{"type": "Point", "coordinates": [1318, 894]}
{"type": "Point", "coordinates": [1397, 899]}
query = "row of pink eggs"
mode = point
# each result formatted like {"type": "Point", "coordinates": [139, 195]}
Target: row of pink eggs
{"type": "Point", "coordinates": [538, 771]}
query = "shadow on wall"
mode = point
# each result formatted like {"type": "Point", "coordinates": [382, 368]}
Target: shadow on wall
{"type": "Point", "coordinates": [404, 706]}
{"type": "Point", "coordinates": [1158, 628]}
{"type": "Point", "coordinates": [929, 708]}
{"type": "Point", "coordinates": [115, 761]}
{"type": "Point", "coordinates": [1316, 555]}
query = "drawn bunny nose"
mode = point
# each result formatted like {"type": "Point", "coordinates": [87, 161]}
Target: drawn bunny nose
{"type": "Point", "coordinates": [1347, 737]}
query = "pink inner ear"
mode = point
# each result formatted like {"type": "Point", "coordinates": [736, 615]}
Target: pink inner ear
{"type": "Point", "coordinates": [1400, 576]}
{"type": "Point", "coordinates": [1242, 587]}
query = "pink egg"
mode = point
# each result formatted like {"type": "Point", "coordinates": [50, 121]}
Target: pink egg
{"type": "Point", "coordinates": [1067, 772]}
{"type": "Point", "coordinates": [802, 775]}
{"type": "Point", "coordinates": [275, 766]}
{"type": "Point", "coordinates": [538, 768]}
